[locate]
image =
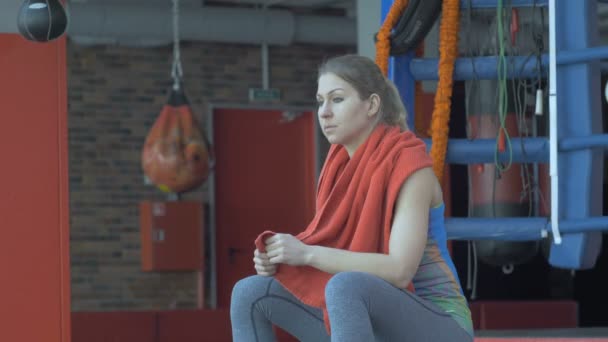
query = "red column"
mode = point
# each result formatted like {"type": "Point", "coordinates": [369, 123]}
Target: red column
{"type": "Point", "coordinates": [34, 207]}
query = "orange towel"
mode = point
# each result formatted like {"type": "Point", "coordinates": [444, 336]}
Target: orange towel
{"type": "Point", "coordinates": [259, 242]}
{"type": "Point", "coordinates": [355, 200]}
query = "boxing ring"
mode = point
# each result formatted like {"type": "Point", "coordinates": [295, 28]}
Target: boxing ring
{"type": "Point", "coordinates": [575, 150]}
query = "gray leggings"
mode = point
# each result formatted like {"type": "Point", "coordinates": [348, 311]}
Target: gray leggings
{"type": "Point", "coordinates": [361, 307]}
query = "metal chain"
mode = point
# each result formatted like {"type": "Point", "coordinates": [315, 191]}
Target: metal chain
{"type": "Point", "coordinates": [176, 69]}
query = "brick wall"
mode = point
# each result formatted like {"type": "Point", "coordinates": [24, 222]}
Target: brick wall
{"type": "Point", "coordinates": [115, 95]}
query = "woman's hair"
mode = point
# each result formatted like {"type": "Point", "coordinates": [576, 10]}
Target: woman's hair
{"type": "Point", "coordinates": [367, 79]}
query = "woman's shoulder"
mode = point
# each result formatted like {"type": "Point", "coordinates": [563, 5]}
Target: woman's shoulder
{"type": "Point", "coordinates": [424, 184]}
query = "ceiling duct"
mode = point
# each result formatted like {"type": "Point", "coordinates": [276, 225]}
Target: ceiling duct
{"type": "Point", "coordinates": [150, 25]}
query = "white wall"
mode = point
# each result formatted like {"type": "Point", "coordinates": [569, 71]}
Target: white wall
{"type": "Point", "coordinates": [8, 15]}
{"type": "Point", "coordinates": [368, 23]}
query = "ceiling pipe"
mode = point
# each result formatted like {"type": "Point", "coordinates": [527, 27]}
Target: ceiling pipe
{"type": "Point", "coordinates": [150, 25]}
{"type": "Point", "coordinates": [123, 23]}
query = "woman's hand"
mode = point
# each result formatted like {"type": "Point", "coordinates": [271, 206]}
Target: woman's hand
{"type": "Point", "coordinates": [262, 265]}
{"type": "Point", "coordinates": [287, 249]}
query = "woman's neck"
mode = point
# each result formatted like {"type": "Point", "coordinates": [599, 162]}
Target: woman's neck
{"type": "Point", "coordinates": [351, 148]}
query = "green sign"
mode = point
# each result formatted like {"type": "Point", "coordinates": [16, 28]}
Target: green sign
{"type": "Point", "coordinates": [259, 94]}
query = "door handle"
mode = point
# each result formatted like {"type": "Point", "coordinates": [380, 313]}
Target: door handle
{"type": "Point", "coordinates": [289, 116]}
{"type": "Point", "coordinates": [158, 235]}
{"type": "Point", "coordinates": [231, 253]}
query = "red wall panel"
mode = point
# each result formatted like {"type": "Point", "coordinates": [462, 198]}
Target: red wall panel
{"type": "Point", "coordinates": [194, 326]}
{"type": "Point", "coordinates": [114, 326]}
{"type": "Point", "coordinates": [152, 326]}
{"type": "Point", "coordinates": [34, 250]}
{"type": "Point", "coordinates": [540, 339]}
{"type": "Point", "coordinates": [505, 315]}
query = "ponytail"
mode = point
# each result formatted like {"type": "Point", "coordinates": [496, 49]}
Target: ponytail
{"type": "Point", "coordinates": [393, 111]}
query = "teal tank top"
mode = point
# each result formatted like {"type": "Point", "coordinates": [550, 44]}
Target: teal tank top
{"type": "Point", "coordinates": [436, 279]}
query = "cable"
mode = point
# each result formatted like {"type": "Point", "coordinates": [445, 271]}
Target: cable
{"type": "Point", "coordinates": [520, 107]}
{"type": "Point", "coordinates": [472, 262]}
{"type": "Point", "coordinates": [502, 92]}
{"type": "Point", "coordinates": [538, 38]}
{"type": "Point", "coordinates": [475, 81]}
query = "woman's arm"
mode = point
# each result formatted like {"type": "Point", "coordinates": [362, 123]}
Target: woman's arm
{"type": "Point", "coordinates": [406, 244]}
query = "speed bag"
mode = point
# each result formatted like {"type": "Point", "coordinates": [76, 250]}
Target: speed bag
{"type": "Point", "coordinates": [42, 20]}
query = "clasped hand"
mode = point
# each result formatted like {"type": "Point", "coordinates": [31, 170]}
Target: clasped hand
{"type": "Point", "coordinates": [281, 249]}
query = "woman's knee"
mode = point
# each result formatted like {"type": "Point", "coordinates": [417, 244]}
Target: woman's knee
{"type": "Point", "coordinates": [250, 289]}
{"type": "Point", "coordinates": [346, 284]}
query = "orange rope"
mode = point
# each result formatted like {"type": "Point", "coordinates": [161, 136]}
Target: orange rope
{"type": "Point", "coordinates": [448, 50]}
{"type": "Point", "coordinates": [383, 43]}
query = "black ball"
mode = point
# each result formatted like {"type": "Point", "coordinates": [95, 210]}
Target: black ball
{"type": "Point", "coordinates": [42, 20]}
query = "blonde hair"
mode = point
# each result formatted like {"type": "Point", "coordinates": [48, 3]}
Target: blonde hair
{"type": "Point", "coordinates": [367, 79]}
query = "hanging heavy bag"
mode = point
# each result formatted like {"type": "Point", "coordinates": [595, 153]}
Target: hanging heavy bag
{"type": "Point", "coordinates": [413, 25]}
{"type": "Point", "coordinates": [175, 156]}
{"type": "Point", "coordinates": [41, 20]}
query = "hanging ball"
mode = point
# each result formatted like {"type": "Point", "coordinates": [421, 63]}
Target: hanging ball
{"type": "Point", "coordinates": [42, 20]}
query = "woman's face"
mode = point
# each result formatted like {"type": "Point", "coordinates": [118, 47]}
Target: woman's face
{"type": "Point", "coordinates": [345, 119]}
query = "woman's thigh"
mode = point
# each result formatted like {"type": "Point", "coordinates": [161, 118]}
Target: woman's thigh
{"type": "Point", "coordinates": [395, 314]}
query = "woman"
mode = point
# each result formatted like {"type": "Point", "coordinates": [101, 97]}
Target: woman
{"type": "Point", "coordinates": [378, 229]}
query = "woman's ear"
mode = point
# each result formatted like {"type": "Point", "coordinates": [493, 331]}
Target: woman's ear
{"type": "Point", "coordinates": [374, 105]}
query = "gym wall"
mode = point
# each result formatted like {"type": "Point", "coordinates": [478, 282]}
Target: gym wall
{"type": "Point", "coordinates": [114, 96]}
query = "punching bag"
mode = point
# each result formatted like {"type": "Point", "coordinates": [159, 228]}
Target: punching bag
{"type": "Point", "coordinates": [42, 20]}
{"type": "Point", "coordinates": [175, 156]}
{"type": "Point", "coordinates": [493, 193]}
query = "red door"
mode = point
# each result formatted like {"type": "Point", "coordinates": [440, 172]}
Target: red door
{"type": "Point", "coordinates": [264, 180]}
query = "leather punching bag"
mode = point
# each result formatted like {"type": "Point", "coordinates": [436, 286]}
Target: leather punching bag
{"type": "Point", "coordinates": [494, 194]}
{"type": "Point", "coordinates": [175, 156]}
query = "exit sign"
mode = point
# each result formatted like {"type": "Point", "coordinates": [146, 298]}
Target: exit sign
{"type": "Point", "coordinates": [259, 94]}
